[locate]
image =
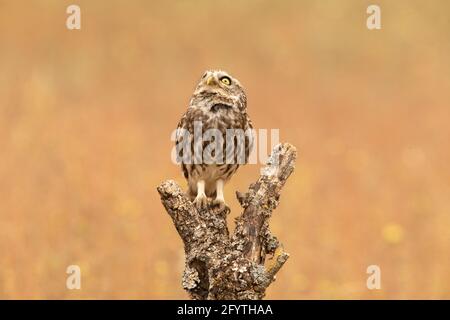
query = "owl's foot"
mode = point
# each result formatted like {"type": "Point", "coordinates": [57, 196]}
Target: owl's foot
{"type": "Point", "coordinates": [201, 201]}
{"type": "Point", "coordinates": [220, 202]}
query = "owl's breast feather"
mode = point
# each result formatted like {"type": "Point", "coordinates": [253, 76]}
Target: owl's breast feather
{"type": "Point", "coordinates": [220, 106]}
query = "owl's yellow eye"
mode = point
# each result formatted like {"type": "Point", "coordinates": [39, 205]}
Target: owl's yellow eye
{"type": "Point", "coordinates": [226, 80]}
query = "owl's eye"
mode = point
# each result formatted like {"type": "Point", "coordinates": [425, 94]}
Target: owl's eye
{"type": "Point", "coordinates": [226, 80]}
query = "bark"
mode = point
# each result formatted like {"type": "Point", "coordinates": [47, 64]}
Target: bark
{"type": "Point", "coordinates": [241, 265]}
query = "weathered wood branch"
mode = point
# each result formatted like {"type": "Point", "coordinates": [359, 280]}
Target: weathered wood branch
{"type": "Point", "coordinates": [220, 266]}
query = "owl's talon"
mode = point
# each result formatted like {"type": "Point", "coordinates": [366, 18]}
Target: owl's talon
{"type": "Point", "coordinates": [220, 203]}
{"type": "Point", "coordinates": [201, 201]}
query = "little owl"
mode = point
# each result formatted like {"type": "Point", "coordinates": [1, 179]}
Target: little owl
{"type": "Point", "coordinates": [218, 106]}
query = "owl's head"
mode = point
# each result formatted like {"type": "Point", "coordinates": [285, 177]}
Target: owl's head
{"type": "Point", "coordinates": [219, 87]}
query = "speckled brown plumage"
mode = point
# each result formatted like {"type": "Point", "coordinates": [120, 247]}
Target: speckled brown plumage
{"type": "Point", "coordinates": [218, 102]}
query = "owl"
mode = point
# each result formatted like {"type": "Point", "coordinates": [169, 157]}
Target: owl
{"type": "Point", "coordinates": [214, 137]}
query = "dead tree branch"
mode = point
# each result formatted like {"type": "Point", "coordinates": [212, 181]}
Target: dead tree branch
{"type": "Point", "coordinates": [220, 266]}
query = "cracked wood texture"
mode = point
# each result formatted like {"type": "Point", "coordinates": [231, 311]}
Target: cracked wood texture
{"type": "Point", "coordinates": [223, 266]}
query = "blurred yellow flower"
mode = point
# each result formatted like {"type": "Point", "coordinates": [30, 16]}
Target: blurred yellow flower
{"type": "Point", "coordinates": [393, 233]}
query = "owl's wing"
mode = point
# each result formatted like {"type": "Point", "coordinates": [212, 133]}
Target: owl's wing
{"type": "Point", "coordinates": [183, 142]}
{"type": "Point", "coordinates": [240, 148]}
{"type": "Point", "coordinates": [250, 139]}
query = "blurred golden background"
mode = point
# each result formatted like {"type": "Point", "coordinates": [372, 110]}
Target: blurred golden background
{"type": "Point", "coordinates": [86, 118]}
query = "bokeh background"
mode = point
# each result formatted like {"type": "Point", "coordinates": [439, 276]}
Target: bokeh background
{"type": "Point", "coordinates": [86, 118]}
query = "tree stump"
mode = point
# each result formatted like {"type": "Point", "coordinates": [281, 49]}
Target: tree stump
{"type": "Point", "coordinates": [223, 266]}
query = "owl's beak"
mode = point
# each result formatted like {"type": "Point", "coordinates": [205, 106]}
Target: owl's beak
{"type": "Point", "coordinates": [211, 81]}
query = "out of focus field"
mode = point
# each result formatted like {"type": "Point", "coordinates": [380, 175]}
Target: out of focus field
{"type": "Point", "coordinates": [86, 118]}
